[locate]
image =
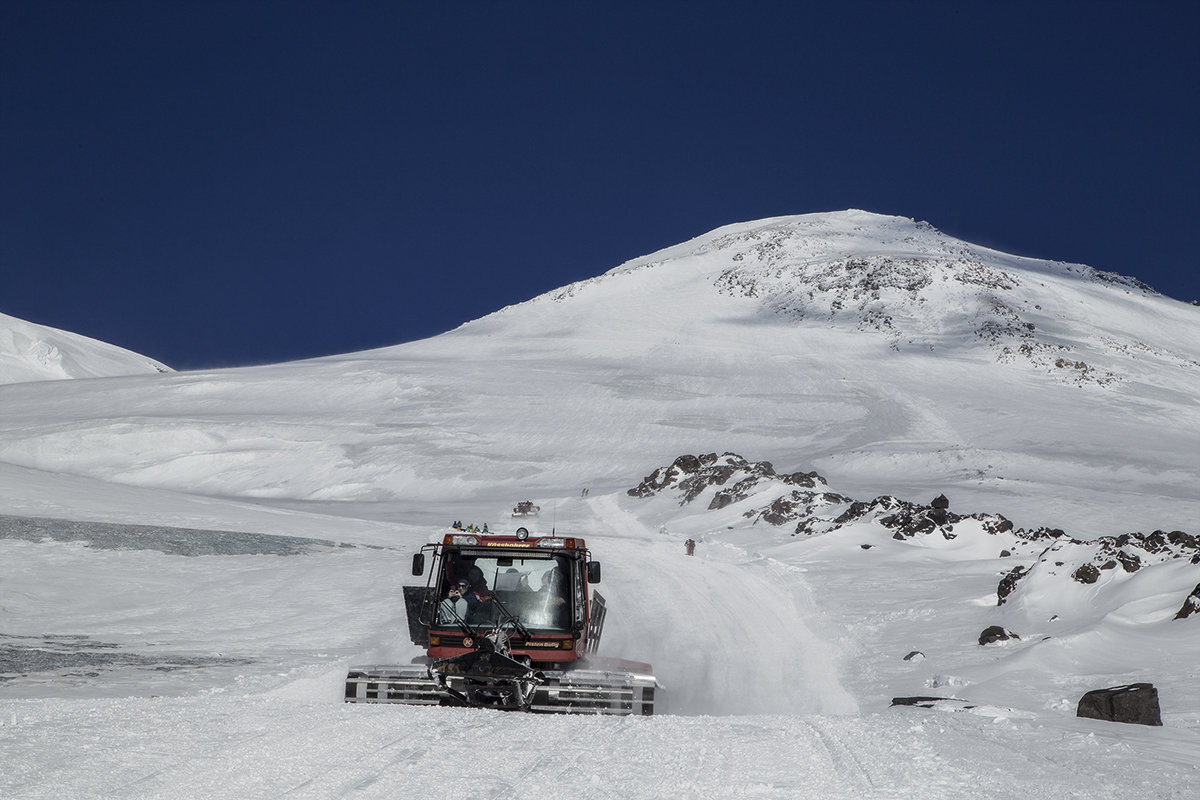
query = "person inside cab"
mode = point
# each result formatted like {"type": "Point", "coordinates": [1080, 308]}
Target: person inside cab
{"type": "Point", "coordinates": [456, 606]}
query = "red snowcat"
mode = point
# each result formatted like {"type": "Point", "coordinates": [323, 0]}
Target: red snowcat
{"type": "Point", "coordinates": [506, 623]}
{"type": "Point", "coordinates": [526, 508]}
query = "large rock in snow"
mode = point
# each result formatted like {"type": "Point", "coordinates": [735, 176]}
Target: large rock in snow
{"type": "Point", "coordinates": [1136, 703]}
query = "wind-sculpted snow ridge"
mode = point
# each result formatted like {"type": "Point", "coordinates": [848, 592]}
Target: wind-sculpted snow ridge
{"type": "Point", "coordinates": [804, 502]}
{"type": "Point", "coordinates": [31, 352]}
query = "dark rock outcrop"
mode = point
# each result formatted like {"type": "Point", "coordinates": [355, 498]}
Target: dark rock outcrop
{"type": "Point", "coordinates": [939, 703]}
{"type": "Point", "coordinates": [1191, 604]}
{"type": "Point", "coordinates": [692, 475]}
{"type": "Point", "coordinates": [1135, 703]}
{"type": "Point", "coordinates": [803, 500]}
{"type": "Point", "coordinates": [1086, 562]}
{"type": "Point", "coordinates": [995, 633]}
{"type": "Point", "coordinates": [1008, 583]}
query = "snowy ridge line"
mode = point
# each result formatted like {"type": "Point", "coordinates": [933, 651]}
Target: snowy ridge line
{"type": "Point", "coordinates": [30, 352]}
{"type": "Point", "coordinates": [760, 494]}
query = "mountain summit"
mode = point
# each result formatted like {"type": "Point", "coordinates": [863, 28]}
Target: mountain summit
{"type": "Point", "coordinates": [911, 288]}
{"type": "Point", "coordinates": [886, 355]}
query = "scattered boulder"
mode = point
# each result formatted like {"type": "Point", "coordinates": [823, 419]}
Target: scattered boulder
{"type": "Point", "coordinates": [915, 655]}
{"type": "Point", "coordinates": [939, 703]}
{"type": "Point", "coordinates": [940, 502]}
{"type": "Point", "coordinates": [1086, 574]}
{"type": "Point", "coordinates": [995, 633]}
{"type": "Point", "coordinates": [1136, 703]}
{"type": "Point", "coordinates": [925, 702]}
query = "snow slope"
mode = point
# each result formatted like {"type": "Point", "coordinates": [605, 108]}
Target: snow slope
{"type": "Point", "coordinates": [31, 352]}
{"type": "Point", "coordinates": [704, 347]}
{"type": "Point", "coordinates": [140, 660]}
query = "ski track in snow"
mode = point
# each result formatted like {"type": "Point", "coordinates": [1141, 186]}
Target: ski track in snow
{"type": "Point", "coordinates": [237, 747]}
{"type": "Point", "coordinates": [726, 636]}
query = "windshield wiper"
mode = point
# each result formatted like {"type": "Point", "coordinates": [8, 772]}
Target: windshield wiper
{"type": "Point", "coordinates": [514, 620]}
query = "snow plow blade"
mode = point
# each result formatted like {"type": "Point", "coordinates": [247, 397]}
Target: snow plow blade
{"type": "Point", "coordinates": [581, 691]}
{"type": "Point", "coordinates": [411, 685]}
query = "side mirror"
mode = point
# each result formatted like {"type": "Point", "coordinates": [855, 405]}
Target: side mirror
{"type": "Point", "coordinates": [418, 563]}
{"type": "Point", "coordinates": [593, 571]}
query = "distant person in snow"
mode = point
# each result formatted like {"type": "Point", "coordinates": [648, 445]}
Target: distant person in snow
{"type": "Point", "coordinates": [690, 547]}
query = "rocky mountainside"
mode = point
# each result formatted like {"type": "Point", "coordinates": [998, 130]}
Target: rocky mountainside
{"type": "Point", "coordinates": [918, 289]}
{"type": "Point", "coordinates": [875, 349]}
{"type": "Point", "coordinates": [1038, 588]}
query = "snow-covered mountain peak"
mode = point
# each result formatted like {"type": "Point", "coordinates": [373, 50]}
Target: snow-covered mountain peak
{"type": "Point", "coordinates": [891, 281]}
{"type": "Point", "coordinates": [875, 349]}
{"type": "Point", "coordinates": [32, 352]}
{"type": "Point", "coordinates": [767, 244]}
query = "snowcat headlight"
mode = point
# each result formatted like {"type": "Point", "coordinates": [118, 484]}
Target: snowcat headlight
{"type": "Point", "coordinates": [522, 534]}
{"type": "Point", "coordinates": [549, 542]}
{"type": "Point", "coordinates": [462, 539]}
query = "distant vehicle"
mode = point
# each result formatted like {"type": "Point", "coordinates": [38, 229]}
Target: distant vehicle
{"type": "Point", "coordinates": [526, 508]}
{"type": "Point", "coordinates": [527, 642]}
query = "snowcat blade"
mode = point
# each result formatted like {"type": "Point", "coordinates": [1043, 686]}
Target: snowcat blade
{"type": "Point", "coordinates": [412, 685]}
{"type": "Point", "coordinates": [560, 692]}
{"type": "Point", "coordinates": [596, 692]}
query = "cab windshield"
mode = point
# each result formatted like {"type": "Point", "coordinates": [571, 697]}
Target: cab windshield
{"type": "Point", "coordinates": [535, 590]}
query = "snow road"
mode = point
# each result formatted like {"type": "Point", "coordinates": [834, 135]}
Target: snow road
{"type": "Point", "coordinates": [756, 706]}
{"type": "Point", "coordinates": [221, 746]}
{"type": "Point", "coordinates": [725, 631]}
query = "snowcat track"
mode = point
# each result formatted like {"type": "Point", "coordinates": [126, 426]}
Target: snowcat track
{"type": "Point", "coordinates": [566, 692]}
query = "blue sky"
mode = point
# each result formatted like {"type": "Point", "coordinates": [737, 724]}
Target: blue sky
{"type": "Point", "coordinates": [228, 183]}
